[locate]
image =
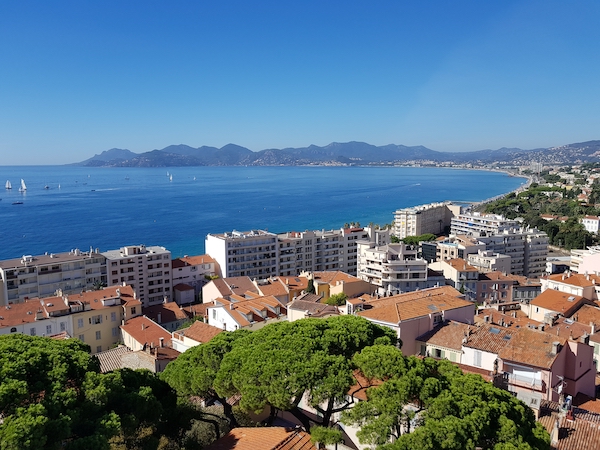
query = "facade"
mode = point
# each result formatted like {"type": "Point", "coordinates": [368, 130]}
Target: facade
{"type": "Point", "coordinates": [196, 334]}
{"type": "Point", "coordinates": [417, 220]}
{"type": "Point", "coordinates": [319, 250]}
{"type": "Point", "coordinates": [194, 271]}
{"type": "Point", "coordinates": [42, 276]}
{"type": "Point", "coordinates": [478, 224]}
{"type": "Point", "coordinates": [457, 247]}
{"type": "Point", "coordinates": [93, 317]}
{"type": "Point", "coordinates": [415, 313]}
{"type": "Point", "coordinates": [239, 312]}
{"type": "Point", "coordinates": [146, 269]}
{"type": "Point", "coordinates": [591, 223]}
{"type": "Point", "coordinates": [248, 253]}
{"type": "Point", "coordinates": [488, 261]}
{"type": "Point", "coordinates": [460, 275]}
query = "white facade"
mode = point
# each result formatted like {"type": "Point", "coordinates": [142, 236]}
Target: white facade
{"type": "Point", "coordinates": [478, 358]}
{"type": "Point", "coordinates": [488, 261]}
{"type": "Point", "coordinates": [43, 275]}
{"type": "Point", "coordinates": [422, 219]}
{"type": "Point", "coordinates": [146, 269]}
{"type": "Point", "coordinates": [591, 223]}
{"type": "Point", "coordinates": [251, 253]}
{"type": "Point", "coordinates": [315, 251]}
{"type": "Point", "coordinates": [477, 224]}
{"type": "Point", "coordinates": [392, 268]}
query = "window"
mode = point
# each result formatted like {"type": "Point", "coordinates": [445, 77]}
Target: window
{"type": "Point", "coordinates": [98, 349]}
{"type": "Point", "coordinates": [13, 330]}
{"type": "Point", "coordinates": [98, 335]}
{"type": "Point", "coordinates": [95, 320]}
{"type": "Point", "coordinates": [63, 326]}
{"type": "Point", "coordinates": [113, 316]}
{"type": "Point", "coordinates": [81, 338]}
{"type": "Point", "coordinates": [32, 331]}
{"type": "Point", "coordinates": [79, 323]}
{"type": "Point", "coordinates": [115, 331]}
{"type": "Point", "coordinates": [48, 329]}
{"type": "Point", "coordinates": [133, 310]}
{"type": "Point", "coordinates": [477, 361]}
{"type": "Point", "coordinates": [214, 313]}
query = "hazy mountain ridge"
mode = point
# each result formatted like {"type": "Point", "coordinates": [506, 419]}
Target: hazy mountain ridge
{"type": "Point", "coordinates": [358, 153]}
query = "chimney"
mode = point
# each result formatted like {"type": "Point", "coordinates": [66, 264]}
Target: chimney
{"type": "Point", "coordinates": [486, 319]}
{"type": "Point", "coordinates": [554, 434]}
{"type": "Point", "coordinates": [593, 327]}
{"type": "Point", "coordinates": [555, 347]}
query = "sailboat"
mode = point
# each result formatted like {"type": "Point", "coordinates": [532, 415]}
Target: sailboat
{"type": "Point", "coordinates": [171, 177]}
{"type": "Point", "coordinates": [8, 185]}
{"type": "Point", "coordinates": [23, 187]}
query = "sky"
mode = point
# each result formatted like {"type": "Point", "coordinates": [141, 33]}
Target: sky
{"type": "Point", "coordinates": [78, 78]}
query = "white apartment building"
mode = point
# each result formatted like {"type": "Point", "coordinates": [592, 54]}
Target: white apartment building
{"type": "Point", "coordinates": [422, 219]}
{"type": "Point", "coordinates": [478, 224]}
{"type": "Point", "coordinates": [43, 275]}
{"type": "Point", "coordinates": [146, 269]}
{"type": "Point", "coordinates": [393, 268]}
{"type": "Point", "coordinates": [244, 253]}
{"type": "Point", "coordinates": [315, 251]}
{"type": "Point", "coordinates": [487, 261]}
{"type": "Point", "coordinates": [460, 275]}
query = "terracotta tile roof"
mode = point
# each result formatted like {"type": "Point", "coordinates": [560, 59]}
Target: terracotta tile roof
{"type": "Point", "coordinates": [531, 347]}
{"type": "Point", "coordinates": [579, 432]}
{"type": "Point", "coordinates": [111, 359]}
{"type": "Point", "coordinates": [197, 310]}
{"type": "Point", "coordinates": [588, 314]}
{"type": "Point", "coordinates": [557, 301]}
{"type": "Point", "coordinates": [576, 279]}
{"type": "Point", "coordinates": [568, 328]}
{"type": "Point", "coordinates": [240, 310]}
{"type": "Point", "coordinates": [449, 334]}
{"type": "Point", "coordinates": [199, 331]}
{"type": "Point", "coordinates": [414, 304]}
{"type": "Point", "coordinates": [169, 312]}
{"type": "Point", "coordinates": [239, 285]}
{"type": "Point", "coordinates": [264, 438]}
{"type": "Point", "coordinates": [146, 331]}
{"type": "Point", "coordinates": [490, 338]}
{"type": "Point", "coordinates": [272, 287]}
{"type": "Point", "coordinates": [191, 261]}
{"type": "Point", "coordinates": [362, 383]}
{"type": "Point", "coordinates": [295, 283]}
{"type": "Point", "coordinates": [514, 319]}
{"type": "Point", "coordinates": [98, 299]}
{"type": "Point", "coordinates": [461, 265]}
{"type": "Point", "coordinates": [334, 277]}
{"type": "Point", "coordinates": [313, 309]}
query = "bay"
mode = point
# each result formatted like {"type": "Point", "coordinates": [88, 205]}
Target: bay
{"type": "Point", "coordinates": [108, 208]}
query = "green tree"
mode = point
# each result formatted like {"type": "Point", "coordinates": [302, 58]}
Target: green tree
{"type": "Point", "coordinates": [282, 363]}
{"type": "Point", "coordinates": [194, 372]}
{"type": "Point", "coordinates": [337, 299]}
{"type": "Point", "coordinates": [311, 286]}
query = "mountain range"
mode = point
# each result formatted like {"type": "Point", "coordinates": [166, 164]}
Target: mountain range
{"type": "Point", "coordinates": [349, 153]}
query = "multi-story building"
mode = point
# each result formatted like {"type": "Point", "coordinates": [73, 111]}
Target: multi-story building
{"type": "Point", "coordinates": [477, 224]}
{"type": "Point", "coordinates": [591, 223]}
{"type": "Point", "coordinates": [488, 261]}
{"type": "Point", "coordinates": [93, 317]}
{"type": "Point", "coordinates": [43, 275]}
{"type": "Point", "coordinates": [457, 247]}
{"type": "Point", "coordinates": [460, 275]}
{"type": "Point", "coordinates": [194, 271]}
{"type": "Point", "coordinates": [146, 269]}
{"type": "Point", "coordinates": [244, 253]}
{"type": "Point", "coordinates": [417, 220]}
{"type": "Point", "coordinates": [392, 268]}
{"type": "Point", "coordinates": [312, 251]}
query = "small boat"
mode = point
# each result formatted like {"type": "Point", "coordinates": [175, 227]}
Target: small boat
{"type": "Point", "coordinates": [23, 187]}
{"type": "Point", "coordinates": [170, 177]}
{"type": "Point", "coordinates": [8, 185]}
{"type": "Point", "coordinates": [17, 203]}
{"type": "Point", "coordinates": [59, 185]}
{"type": "Point", "coordinates": [46, 187]}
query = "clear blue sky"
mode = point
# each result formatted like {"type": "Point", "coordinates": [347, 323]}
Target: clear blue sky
{"type": "Point", "coordinates": [79, 77]}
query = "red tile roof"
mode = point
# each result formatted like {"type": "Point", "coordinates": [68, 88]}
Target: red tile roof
{"type": "Point", "coordinates": [558, 301]}
{"type": "Point", "coordinates": [146, 331]}
{"type": "Point", "coordinates": [199, 331]}
{"type": "Point", "coordinates": [264, 438]}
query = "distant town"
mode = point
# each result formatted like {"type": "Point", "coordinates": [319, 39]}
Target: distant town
{"type": "Point", "coordinates": [508, 289]}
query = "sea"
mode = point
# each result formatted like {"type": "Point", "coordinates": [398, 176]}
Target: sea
{"type": "Point", "coordinates": [68, 207]}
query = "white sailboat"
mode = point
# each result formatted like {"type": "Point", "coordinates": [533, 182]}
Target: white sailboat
{"type": "Point", "coordinates": [8, 185]}
{"type": "Point", "coordinates": [23, 187]}
{"type": "Point", "coordinates": [171, 177]}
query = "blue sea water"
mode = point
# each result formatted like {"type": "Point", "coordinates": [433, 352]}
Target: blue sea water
{"type": "Point", "coordinates": [108, 208]}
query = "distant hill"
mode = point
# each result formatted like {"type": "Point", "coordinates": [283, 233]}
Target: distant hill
{"type": "Point", "coordinates": [349, 153]}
